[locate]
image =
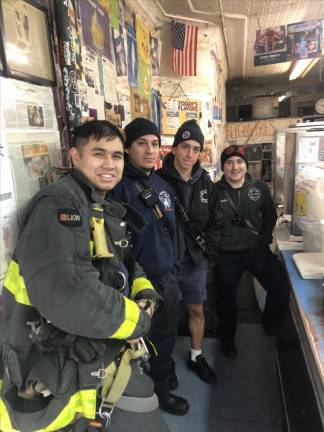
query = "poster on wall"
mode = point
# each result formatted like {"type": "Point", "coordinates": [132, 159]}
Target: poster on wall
{"type": "Point", "coordinates": [155, 57]}
{"type": "Point", "coordinates": [118, 40]}
{"type": "Point", "coordinates": [71, 59]}
{"type": "Point", "coordinates": [304, 40]}
{"type": "Point", "coordinates": [144, 59]}
{"type": "Point", "coordinates": [270, 46]}
{"type": "Point", "coordinates": [95, 27]}
{"type": "Point", "coordinates": [156, 109]}
{"type": "Point", "coordinates": [132, 63]}
{"type": "Point", "coordinates": [111, 6]}
{"type": "Point", "coordinates": [140, 106]}
{"type": "Point", "coordinates": [176, 111]}
{"type": "Point", "coordinates": [109, 81]}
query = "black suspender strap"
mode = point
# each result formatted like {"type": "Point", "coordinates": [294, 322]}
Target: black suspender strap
{"type": "Point", "coordinates": [245, 222]}
{"type": "Point", "coordinates": [194, 234]}
{"type": "Point", "coordinates": [148, 196]}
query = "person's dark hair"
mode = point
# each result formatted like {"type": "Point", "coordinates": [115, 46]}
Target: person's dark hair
{"type": "Point", "coordinates": [95, 129]}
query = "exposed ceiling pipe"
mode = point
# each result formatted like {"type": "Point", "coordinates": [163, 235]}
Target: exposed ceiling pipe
{"type": "Point", "coordinates": [172, 16]}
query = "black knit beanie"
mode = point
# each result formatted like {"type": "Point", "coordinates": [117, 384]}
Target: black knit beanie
{"type": "Point", "coordinates": [189, 130]}
{"type": "Point", "coordinates": [233, 150]}
{"type": "Point", "coordinates": [138, 128]}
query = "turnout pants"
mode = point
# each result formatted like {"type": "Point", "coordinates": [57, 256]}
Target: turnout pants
{"type": "Point", "coordinates": [268, 270]}
{"type": "Point", "coordinates": [164, 330]}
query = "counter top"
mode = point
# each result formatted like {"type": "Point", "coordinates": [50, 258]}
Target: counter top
{"type": "Point", "coordinates": [307, 304]}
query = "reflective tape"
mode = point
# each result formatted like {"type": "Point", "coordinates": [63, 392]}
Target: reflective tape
{"type": "Point", "coordinates": [141, 284]}
{"type": "Point", "coordinates": [15, 283]}
{"type": "Point", "coordinates": [131, 319]}
{"type": "Point", "coordinates": [83, 402]}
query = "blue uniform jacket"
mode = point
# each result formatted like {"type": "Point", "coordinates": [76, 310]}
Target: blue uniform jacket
{"type": "Point", "coordinates": [155, 246]}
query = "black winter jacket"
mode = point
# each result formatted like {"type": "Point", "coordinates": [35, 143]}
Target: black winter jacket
{"type": "Point", "coordinates": [198, 196]}
{"type": "Point", "coordinates": [254, 203]}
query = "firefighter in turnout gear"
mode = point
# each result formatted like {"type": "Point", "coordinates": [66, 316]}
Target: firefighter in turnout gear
{"type": "Point", "coordinates": [76, 305]}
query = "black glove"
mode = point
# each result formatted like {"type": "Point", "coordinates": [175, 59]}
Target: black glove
{"type": "Point", "coordinates": [46, 336]}
{"type": "Point", "coordinates": [86, 350]}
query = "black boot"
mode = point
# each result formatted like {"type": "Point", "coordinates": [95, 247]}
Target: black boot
{"type": "Point", "coordinates": [228, 348]}
{"type": "Point", "coordinates": [173, 404]}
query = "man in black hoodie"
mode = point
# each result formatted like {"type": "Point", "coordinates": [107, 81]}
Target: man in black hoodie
{"type": "Point", "coordinates": [248, 218]}
{"type": "Point", "coordinates": [195, 198]}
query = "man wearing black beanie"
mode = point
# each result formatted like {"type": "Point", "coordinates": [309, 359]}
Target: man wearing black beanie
{"type": "Point", "coordinates": [247, 217]}
{"type": "Point", "coordinates": [195, 194]}
{"type": "Point", "coordinates": [156, 250]}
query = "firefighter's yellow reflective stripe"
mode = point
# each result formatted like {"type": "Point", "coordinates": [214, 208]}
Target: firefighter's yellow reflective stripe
{"type": "Point", "coordinates": [15, 283]}
{"type": "Point", "coordinates": [141, 284]}
{"type": "Point", "coordinates": [91, 246]}
{"type": "Point", "coordinates": [5, 423]}
{"type": "Point", "coordinates": [83, 402]}
{"type": "Point", "coordinates": [131, 319]}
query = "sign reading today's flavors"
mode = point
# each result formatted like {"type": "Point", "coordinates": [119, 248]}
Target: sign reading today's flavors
{"type": "Point", "coordinates": [176, 111]}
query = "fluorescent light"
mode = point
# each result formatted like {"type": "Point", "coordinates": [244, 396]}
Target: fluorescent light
{"type": "Point", "coordinates": [281, 98]}
{"type": "Point", "coordinates": [302, 67]}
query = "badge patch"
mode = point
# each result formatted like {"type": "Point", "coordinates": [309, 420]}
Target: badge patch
{"type": "Point", "coordinates": [204, 196]}
{"type": "Point", "coordinates": [165, 199]}
{"type": "Point", "coordinates": [69, 217]}
{"type": "Point", "coordinates": [185, 134]}
{"type": "Point", "coordinates": [254, 194]}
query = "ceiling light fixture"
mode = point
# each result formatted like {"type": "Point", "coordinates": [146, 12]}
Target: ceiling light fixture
{"type": "Point", "coordinates": [301, 68]}
{"type": "Point", "coordinates": [281, 98]}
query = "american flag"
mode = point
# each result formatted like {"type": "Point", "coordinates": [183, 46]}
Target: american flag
{"type": "Point", "coordinates": [184, 48]}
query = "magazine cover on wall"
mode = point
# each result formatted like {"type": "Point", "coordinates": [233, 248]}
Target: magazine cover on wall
{"type": "Point", "coordinates": [132, 63]}
{"type": "Point", "coordinates": [304, 40]}
{"type": "Point", "coordinates": [71, 60]}
{"type": "Point", "coordinates": [26, 41]}
{"type": "Point", "coordinates": [95, 27]}
{"type": "Point", "coordinates": [270, 46]}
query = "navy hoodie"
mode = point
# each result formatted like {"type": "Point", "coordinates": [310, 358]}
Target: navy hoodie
{"type": "Point", "coordinates": [155, 246]}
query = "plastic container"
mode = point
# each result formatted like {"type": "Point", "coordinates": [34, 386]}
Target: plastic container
{"type": "Point", "coordinates": [309, 205]}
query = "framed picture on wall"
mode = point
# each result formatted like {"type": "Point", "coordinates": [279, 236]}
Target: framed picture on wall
{"type": "Point", "coordinates": [26, 41]}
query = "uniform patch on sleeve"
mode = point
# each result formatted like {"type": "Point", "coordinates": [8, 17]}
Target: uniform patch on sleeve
{"type": "Point", "coordinates": [69, 217]}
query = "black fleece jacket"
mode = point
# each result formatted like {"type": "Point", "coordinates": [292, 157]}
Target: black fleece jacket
{"type": "Point", "coordinates": [198, 196]}
{"type": "Point", "coordinates": [254, 203]}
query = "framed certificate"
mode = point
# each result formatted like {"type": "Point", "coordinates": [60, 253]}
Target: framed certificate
{"type": "Point", "coordinates": [26, 41]}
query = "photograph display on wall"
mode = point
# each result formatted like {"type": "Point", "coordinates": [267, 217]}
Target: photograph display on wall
{"type": "Point", "coordinates": [26, 41]}
{"type": "Point", "coordinates": [304, 40]}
